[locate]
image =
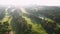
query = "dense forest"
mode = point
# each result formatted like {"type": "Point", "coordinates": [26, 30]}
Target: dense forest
{"type": "Point", "coordinates": [30, 20]}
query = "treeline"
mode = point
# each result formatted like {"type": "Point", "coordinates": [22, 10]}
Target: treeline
{"type": "Point", "coordinates": [52, 13]}
{"type": "Point", "coordinates": [20, 26]}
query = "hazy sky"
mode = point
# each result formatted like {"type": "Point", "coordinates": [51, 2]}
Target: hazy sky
{"type": "Point", "coordinates": [30, 2]}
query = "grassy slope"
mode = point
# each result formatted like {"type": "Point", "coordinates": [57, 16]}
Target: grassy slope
{"type": "Point", "coordinates": [35, 27]}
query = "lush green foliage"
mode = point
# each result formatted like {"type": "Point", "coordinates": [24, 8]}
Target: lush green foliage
{"type": "Point", "coordinates": [31, 20]}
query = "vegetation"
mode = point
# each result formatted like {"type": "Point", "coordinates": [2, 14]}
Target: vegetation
{"type": "Point", "coordinates": [30, 20]}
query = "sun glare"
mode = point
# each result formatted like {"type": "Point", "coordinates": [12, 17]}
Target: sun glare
{"type": "Point", "coordinates": [16, 2]}
{"type": "Point", "coordinates": [30, 2]}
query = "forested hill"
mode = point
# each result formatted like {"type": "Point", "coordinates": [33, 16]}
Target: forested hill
{"type": "Point", "coordinates": [30, 20]}
{"type": "Point", "coordinates": [52, 12]}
